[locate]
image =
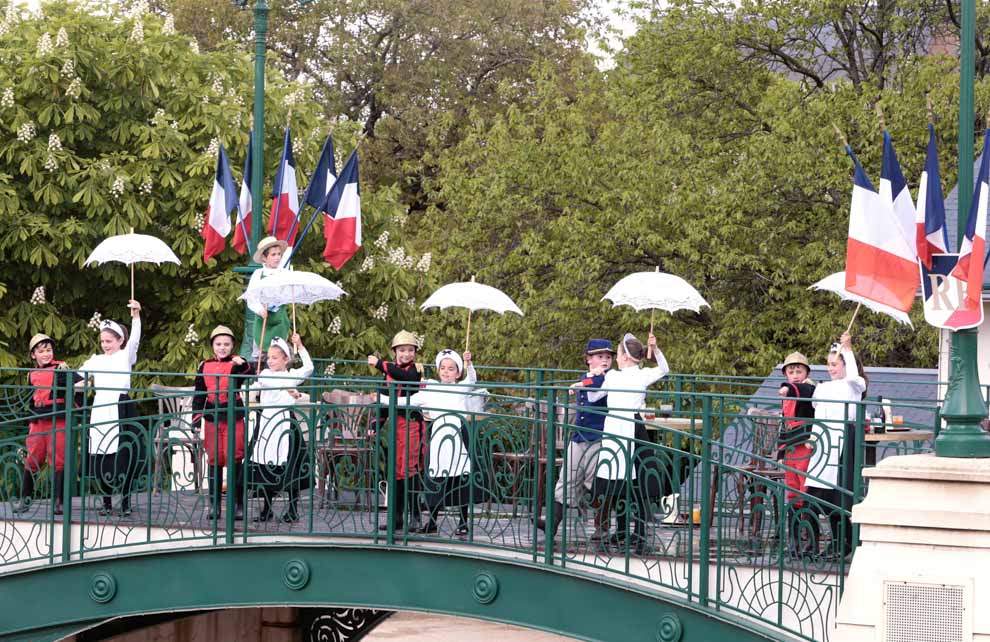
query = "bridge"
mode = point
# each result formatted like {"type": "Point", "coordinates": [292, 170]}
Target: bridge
{"type": "Point", "coordinates": [706, 542]}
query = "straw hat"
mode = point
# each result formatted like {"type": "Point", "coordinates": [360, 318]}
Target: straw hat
{"type": "Point", "coordinates": [220, 331]}
{"type": "Point", "coordinates": [39, 339]}
{"type": "Point", "coordinates": [795, 358]}
{"type": "Point", "coordinates": [264, 245]}
{"type": "Point", "coordinates": [405, 338]}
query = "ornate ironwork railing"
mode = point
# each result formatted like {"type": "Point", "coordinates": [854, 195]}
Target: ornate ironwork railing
{"type": "Point", "coordinates": [695, 504]}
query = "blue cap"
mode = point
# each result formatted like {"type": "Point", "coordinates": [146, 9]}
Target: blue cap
{"type": "Point", "coordinates": [598, 346]}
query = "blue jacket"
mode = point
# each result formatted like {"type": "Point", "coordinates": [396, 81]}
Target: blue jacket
{"type": "Point", "coordinates": [591, 414]}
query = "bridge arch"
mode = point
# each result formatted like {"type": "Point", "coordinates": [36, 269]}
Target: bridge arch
{"type": "Point", "coordinates": [62, 599]}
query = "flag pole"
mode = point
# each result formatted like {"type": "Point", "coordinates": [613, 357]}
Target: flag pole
{"type": "Point", "coordinates": [849, 327]}
{"type": "Point", "coordinates": [293, 290]}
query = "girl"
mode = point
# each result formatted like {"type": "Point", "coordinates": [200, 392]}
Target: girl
{"type": "Point", "coordinates": [626, 390]}
{"type": "Point", "coordinates": [210, 404]}
{"type": "Point", "coordinates": [113, 455]}
{"type": "Point", "coordinates": [46, 435]}
{"type": "Point", "coordinates": [275, 442]}
{"type": "Point", "coordinates": [449, 467]}
{"type": "Point", "coordinates": [408, 427]}
{"type": "Point", "coordinates": [269, 254]}
{"type": "Point", "coordinates": [831, 462]}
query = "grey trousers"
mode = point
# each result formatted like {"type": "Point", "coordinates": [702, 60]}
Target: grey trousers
{"type": "Point", "coordinates": [581, 461]}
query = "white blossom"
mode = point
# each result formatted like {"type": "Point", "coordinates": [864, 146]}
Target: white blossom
{"type": "Point", "coordinates": [25, 132]}
{"type": "Point", "coordinates": [420, 340]}
{"type": "Point", "coordinates": [137, 31]}
{"type": "Point", "coordinates": [397, 256]}
{"type": "Point", "coordinates": [381, 312]}
{"type": "Point", "coordinates": [94, 321]}
{"type": "Point", "coordinates": [38, 298]}
{"type": "Point", "coordinates": [8, 98]}
{"type": "Point", "coordinates": [217, 86]}
{"type": "Point", "coordinates": [159, 118]}
{"type": "Point", "coordinates": [214, 147]}
{"type": "Point", "coordinates": [75, 88]}
{"type": "Point", "coordinates": [424, 262]}
{"type": "Point", "coordinates": [45, 44]}
{"type": "Point", "coordinates": [334, 327]}
{"type": "Point", "coordinates": [382, 240]}
{"type": "Point", "coordinates": [146, 186]}
{"type": "Point", "coordinates": [139, 9]}
{"type": "Point", "coordinates": [330, 369]}
{"type": "Point", "coordinates": [168, 29]}
{"type": "Point", "coordinates": [54, 142]}
{"type": "Point", "coordinates": [199, 221]}
{"type": "Point", "coordinates": [62, 38]}
{"type": "Point", "coordinates": [367, 264]}
{"type": "Point", "coordinates": [51, 163]}
{"type": "Point", "coordinates": [194, 46]}
{"type": "Point", "coordinates": [68, 69]}
{"type": "Point", "coordinates": [192, 337]}
{"type": "Point", "coordinates": [175, 125]}
{"type": "Point", "coordinates": [12, 16]}
{"type": "Point", "coordinates": [117, 189]}
{"type": "Point", "coordinates": [295, 97]}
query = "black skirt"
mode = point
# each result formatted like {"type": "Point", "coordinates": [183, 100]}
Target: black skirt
{"type": "Point", "coordinates": [114, 472]}
{"type": "Point", "coordinates": [295, 474]}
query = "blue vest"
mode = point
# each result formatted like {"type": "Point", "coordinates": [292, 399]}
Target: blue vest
{"type": "Point", "coordinates": [590, 414]}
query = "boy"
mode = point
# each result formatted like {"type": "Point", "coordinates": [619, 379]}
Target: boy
{"type": "Point", "coordinates": [793, 446]}
{"type": "Point", "coordinates": [582, 449]}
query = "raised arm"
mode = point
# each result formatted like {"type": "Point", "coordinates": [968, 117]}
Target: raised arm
{"type": "Point", "coordinates": [135, 338]}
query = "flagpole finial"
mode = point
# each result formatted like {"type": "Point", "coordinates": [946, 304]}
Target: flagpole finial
{"type": "Point", "coordinates": [883, 121]}
{"type": "Point", "coordinates": [251, 122]}
{"type": "Point", "coordinates": [931, 112]}
{"type": "Point", "coordinates": [842, 137]}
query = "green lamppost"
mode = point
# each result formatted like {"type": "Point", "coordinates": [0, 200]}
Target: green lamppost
{"type": "Point", "coordinates": [964, 405]}
{"type": "Point", "coordinates": [257, 152]}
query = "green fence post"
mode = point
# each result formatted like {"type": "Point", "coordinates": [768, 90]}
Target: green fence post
{"type": "Point", "coordinates": [229, 498]}
{"type": "Point", "coordinates": [704, 554]}
{"type": "Point", "coordinates": [392, 461]}
{"type": "Point", "coordinates": [69, 473]}
{"type": "Point", "coordinates": [549, 484]}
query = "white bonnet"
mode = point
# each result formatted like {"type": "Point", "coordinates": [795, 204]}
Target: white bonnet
{"type": "Point", "coordinates": [453, 356]}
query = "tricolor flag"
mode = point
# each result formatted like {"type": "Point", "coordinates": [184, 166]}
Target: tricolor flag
{"type": "Point", "coordinates": [880, 263]}
{"type": "Point", "coordinates": [894, 190]}
{"type": "Point", "coordinates": [342, 223]}
{"type": "Point", "coordinates": [973, 247]}
{"type": "Point", "coordinates": [285, 196]}
{"type": "Point", "coordinates": [242, 232]}
{"type": "Point", "coordinates": [223, 200]}
{"type": "Point", "coordinates": [931, 234]}
{"type": "Point", "coordinates": [322, 180]}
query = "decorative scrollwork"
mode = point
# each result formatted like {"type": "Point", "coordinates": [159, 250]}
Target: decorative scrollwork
{"type": "Point", "coordinates": [341, 625]}
{"type": "Point", "coordinates": [485, 588]}
{"type": "Point", "coordinates": [669, 629]}
{"type": "Point", "coordinates": [295, 574]}
{"type": "Point", "coordinates": [102, 588]}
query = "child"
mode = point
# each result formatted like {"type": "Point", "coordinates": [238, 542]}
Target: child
{"type": "Point", "coordinates": [269, 254]}
{"type": "Point", "coordinates": [449, 470]}
{"type": "Point", "coordinates": [274, 443]}
{"type": "Point", "coordinates": [831, 433]}
{"type": "Point", "coordinates": [210, 404]}
{"type": "Point", "coordinates": [408, 427]}
{"type": "Point", "coordinates": [112, 455]}
{"type": "Point", "coordinates": [46, 435]}
{"type": "Point", "coordinates": [626, 389]}
{"type": "Point", "coordinates": [582, 449]}
{"type": "Point", "coordinates": [793, 447]}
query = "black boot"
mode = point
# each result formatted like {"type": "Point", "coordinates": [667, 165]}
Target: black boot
{"type": "Point", "coordinates": [107, 507]}
{"type": "Point", "coordinates": [291, 514]}
{"type": "Point", "coordinates": [558, 517]}
{"type": "Point", "coordinates": [239, 491]}
{"type": "Point", "coordinates": [57, 487]}
{"type": "Point", "coordinates": [27, 491]}
{"type": "Point", "coordinates": [214, 483]}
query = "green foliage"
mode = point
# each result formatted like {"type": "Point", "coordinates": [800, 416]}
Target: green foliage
{"type": "Point", "coordinates": [699, 157]}
{"type": "Point", "coordinates": [110, 121]}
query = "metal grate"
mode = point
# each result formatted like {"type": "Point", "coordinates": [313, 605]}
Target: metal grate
{"type": "Point", "coordinates": [915, 612]}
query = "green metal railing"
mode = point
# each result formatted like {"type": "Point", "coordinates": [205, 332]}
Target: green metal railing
{"type": "Point", "coordinates": [701, 508]}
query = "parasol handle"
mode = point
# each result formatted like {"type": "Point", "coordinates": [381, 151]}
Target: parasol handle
{"type": "Point", "coordinates": [261, 343]}
{"type": "Point", "coordinates": [467, 336]}
{"type": "Point", "coordinates": [649, 349]}
{"type": "Point", "coordinates": [132, 274]}
{"type": "Point", "coordinates": [849, 327]}
{"type": "Point", "coordinates": [293, 290]}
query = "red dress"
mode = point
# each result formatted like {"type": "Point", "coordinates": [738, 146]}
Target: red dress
{"type": "Point", "coordinates": [212, 382]}
{"type": "Point", "coordinates": [46, 435]}
{"type": "Point", "coordinates": [409, 431]}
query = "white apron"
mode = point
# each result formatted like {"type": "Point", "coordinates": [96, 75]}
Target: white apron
{"type": "Point", "coordinates": [111, 375]}
{"type": "Point", "coordinates": [445, 404]}
{"type": "Point", "coordinates": [828, 432]}
{"type": "Point", "coordinates": [271, 446]}
{"type": "Point", "coordinates": [626, 390]}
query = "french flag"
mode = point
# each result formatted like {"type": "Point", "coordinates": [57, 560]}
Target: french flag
{"type": "Point", "coordinates": [322, 180]}
{"type": "Point", "coordinates": [222, 201]}
{"type": "Point", "coordinates": [969, 267]}
{"type": "Point", "coordinates": [881, 264]}
{"type": "Point", "coordinates": [342, 223]}
{"type": "Point", "coordinates": [243, 230]}
{"type": "Point", "coordinates": [894, 190]}
{"type": "Point", "coordinates": [931, 234]}
{"type": "Point", "coordinates": [285, 196]}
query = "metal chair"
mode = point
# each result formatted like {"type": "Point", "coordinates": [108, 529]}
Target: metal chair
{"type": "Point", "coordinates": [345, 437]}
{"type": "Point", "coordinates": [175, 429]}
